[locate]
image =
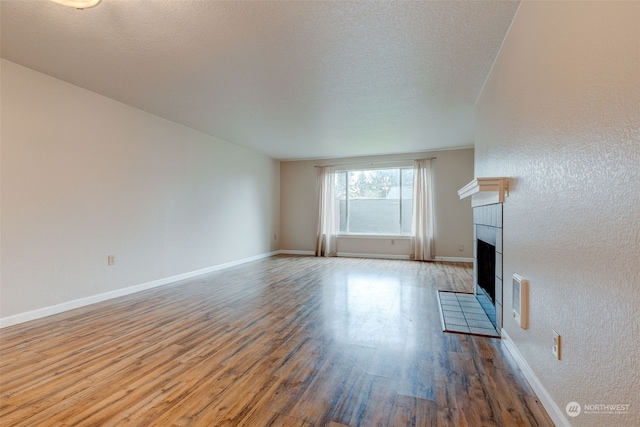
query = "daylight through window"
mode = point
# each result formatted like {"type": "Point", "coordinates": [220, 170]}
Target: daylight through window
{"type": "Point", "coordinates": [375, 201]}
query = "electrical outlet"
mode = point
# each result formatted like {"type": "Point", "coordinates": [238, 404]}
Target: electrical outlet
{"type": "Point", "coordinates": [393, 242]}
{"type": "Point", "coordinates": [461, 248]}
{"type": "Point", "coordinates": [557, 345]}
{"type": "Point", "coordinates": [111, 259]}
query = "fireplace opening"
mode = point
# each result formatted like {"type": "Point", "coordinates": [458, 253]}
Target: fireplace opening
{"type": "Point", "coordinates": [486, 259]}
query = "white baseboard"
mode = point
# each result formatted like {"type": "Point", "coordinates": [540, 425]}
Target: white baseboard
{"type": "Point", "coordinates": [453, 259]}
{"type": "Point", "coordinates": [291, 252]}
{"type": "Point", "coordinates": [346, 254]}
{"type": "Point", "coordinates": [378, 256]}
{"type": "Point", "coordinates": [556, 414]}
{"type": "Point", "coordinates": [81, 302]}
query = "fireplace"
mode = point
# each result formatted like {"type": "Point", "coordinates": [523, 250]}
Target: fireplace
{"type": "Point", "coordinates": [487, 196]}
{"type": "Point", "coordinates": [487, 224]}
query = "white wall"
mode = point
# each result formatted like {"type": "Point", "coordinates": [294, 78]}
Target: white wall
{"type": "Point", "coordinates": [84, 176]}
{"type": "Point", "coordinates": [452, 169]}
{"type": "Point", "coordinates": [560, 115]}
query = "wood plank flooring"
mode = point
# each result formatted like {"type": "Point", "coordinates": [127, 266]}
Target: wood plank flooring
{"type": "Point", "coordinates": [285, 341]}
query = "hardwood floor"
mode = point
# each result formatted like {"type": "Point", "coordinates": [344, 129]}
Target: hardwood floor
{"type": "Point", "coordinates": [286, 341]}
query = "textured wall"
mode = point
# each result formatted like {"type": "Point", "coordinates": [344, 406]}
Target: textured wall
{"type": "Point", "coordinates": [84, 176]}
{"type": "Point", "coordinates": [560, 115]}
{"type": "Point", "coordinates": [452, 169]}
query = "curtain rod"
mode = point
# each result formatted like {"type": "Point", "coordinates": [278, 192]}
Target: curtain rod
{"type": "Point", "coordinates": [374, 163]}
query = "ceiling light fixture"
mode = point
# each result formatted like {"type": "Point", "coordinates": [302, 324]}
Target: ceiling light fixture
{"type": "Point", "coordinates": [79, 4]}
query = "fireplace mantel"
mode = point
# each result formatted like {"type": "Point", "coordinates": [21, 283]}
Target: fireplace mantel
{"type": "Point", "coordinates": [485, 191]}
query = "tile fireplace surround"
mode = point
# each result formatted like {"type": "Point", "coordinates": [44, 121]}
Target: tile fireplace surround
{"type": "Point", "coordinates": [487, 226]}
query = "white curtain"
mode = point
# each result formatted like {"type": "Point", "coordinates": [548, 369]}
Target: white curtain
{"type": "Point", "coordinates": [326, 232]}
{"type": "Point", "coordinates": [422, 245]}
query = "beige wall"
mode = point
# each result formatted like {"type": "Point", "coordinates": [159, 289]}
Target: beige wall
{"type": "Point", "coordinates": [452, 169]}
{"type": "Point", "coordinates": [560, 116]}
{"type": "Point", "coordinates": [84, 176]}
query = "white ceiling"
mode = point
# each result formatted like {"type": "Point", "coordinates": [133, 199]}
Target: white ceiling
{"type": "Point", "coordinates": [290, 79]}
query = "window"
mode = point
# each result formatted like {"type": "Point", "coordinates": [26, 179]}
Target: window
{"type": "Point", "coordinates": [375, 201]}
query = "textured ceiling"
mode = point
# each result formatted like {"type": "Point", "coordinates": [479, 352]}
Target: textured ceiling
{"type": "Point", "coordinates": [290, 79]}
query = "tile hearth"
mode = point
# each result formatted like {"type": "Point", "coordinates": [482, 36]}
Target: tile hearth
{"type": "Point", "coordinates": [462, 313]}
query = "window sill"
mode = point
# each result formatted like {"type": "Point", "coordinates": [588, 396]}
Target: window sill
{"type": "Point", "coordinates": [374, 236]}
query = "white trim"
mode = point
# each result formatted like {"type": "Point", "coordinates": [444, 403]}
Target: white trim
{"type": "Point", "coordinates": [293, 252]}
{"type": "Point", "coordinates": [378, 256]}
{"type": "Point", "coordinates": [81, 302]}
{"type": "Point", "coordinates": [453, 259]}
{"type": "Point", "coordinates": [485, 191]}
{"type": "Point", "coordinates": [553, 410]}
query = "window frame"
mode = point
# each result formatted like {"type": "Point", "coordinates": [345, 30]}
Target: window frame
{"type": "Point", "coordinates": [399, 166]}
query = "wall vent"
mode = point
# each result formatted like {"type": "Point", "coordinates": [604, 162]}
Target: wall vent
{"type": "Point", "coordinates": [521, 301]}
